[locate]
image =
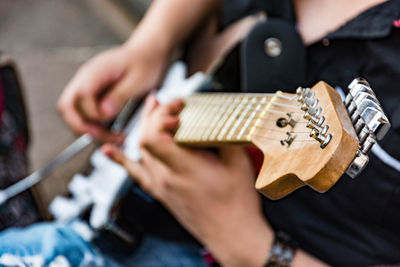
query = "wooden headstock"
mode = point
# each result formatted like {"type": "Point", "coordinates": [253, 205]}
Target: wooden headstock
{"type": "Point", "coordinates": [293, 158]}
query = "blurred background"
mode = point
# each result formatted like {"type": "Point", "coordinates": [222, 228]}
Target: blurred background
{"type": "Point", "coordinates": [49, 40]}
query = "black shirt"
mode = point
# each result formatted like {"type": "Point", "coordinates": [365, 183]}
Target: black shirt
{"type": "Point", "coordinates": [357, 222]}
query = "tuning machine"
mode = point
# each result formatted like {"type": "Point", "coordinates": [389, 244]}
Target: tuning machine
{"type": "Point", "coordinates": [369, 121]}
{"type": "Point", "coordinates": [313, 113]}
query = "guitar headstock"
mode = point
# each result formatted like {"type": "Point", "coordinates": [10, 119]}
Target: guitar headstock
{"type": "Point", "coordinates": [311, 141]}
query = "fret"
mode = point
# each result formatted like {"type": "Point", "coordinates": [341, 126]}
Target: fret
{"type": "Point", "coordinates": [201, 119]}
{"type": "Point", "coordinates": [239, 121]}
{"type": "Point", "coordinates": [217, 113]}
{"type": "Point", "coordinates": [223, 117]}
{"type": "Point", "coordinates": [188, 124]}
{"type": "Point", "coordinates": [250, 118]}
{"type": "Point", "coordinates": [183, 117]}
{"type": "Point", "coordinates": [194, 120]}
{"type": "Point", "coordinates": [250, 123]}
{"type": "Point", "coordinates": [232, 117]}
{"type": "Point", "coordinates": [264, 112]}
{"type": "Point", "coordinates": [210, 114]}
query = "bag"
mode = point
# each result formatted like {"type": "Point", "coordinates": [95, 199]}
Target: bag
{"type": "Point", "coordinates": [14, 136]}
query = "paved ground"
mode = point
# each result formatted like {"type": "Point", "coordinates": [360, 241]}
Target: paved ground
{"type": "Point", "coordinates": [49, 40]}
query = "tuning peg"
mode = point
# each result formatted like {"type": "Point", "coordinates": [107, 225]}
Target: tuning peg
{"type": "Point", "coordinates": [356, 86]}
{"type": "Point", "coordinates": [362, 96]}
{"type": "Point", "coordinates": [360, 103]}
{"type": "Point", "coordinates": [324, 139]}
{"type": "Point", "coordinates": [303, 93]}
{"type": "Point", "coordinates": [376, 121]}
{"type": "Point", "coordinates": [309, 104]}
{"type": "Point", "coordinates": [314, 119]}
{"type": "Point", "coordinates": [357, 165]}
{"type": "Point", "coordinates": [358, 80]}
{"type": "Point", "coordinates": [317, 127]}
{"type": "Point", "coordinates": [315, 112]}
{"type": "Point", "coordinates": [367, 145]}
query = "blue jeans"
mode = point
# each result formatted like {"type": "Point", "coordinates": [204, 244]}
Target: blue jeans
{"type": "Point", "coordinates": [51, 240]}
{"type": "Point", "coordinates": [156, 252]}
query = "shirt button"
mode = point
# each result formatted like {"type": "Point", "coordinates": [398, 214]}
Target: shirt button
{"type": "Point", "coordinates": [325, 42]}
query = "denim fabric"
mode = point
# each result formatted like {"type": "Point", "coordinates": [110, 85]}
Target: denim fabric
{"type": "Point", "coordinates": [155, 252]}
{"type": "Point", "coordinates": [47, 240]}
{"type": "Point", "coordinates": [50, 240]}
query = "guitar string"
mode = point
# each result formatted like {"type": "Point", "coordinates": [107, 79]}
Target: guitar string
{"type": "Point", "coordinates": [214, 101]}
{"type": "Point", "coordinates": [289, 98]}
{"type": "Point", "coordinates": [196, 127]}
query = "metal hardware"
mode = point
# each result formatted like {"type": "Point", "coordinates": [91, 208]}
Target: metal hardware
{"type": "Point", "coordinates": [309, 104]}
{"type": "Point", "coordinates": [288, 140]}
{"type": "Point", "coordinates": [317, 121]}
{"type": "Point", "coordinates": [364, 133]}
{"type": "Point", "coordinates": [324, 139]}
{"type": "Point", "coordinates": [357, 85]}
{"type": "Point", "coordinates": [376, 121]}
{"type": "Point", "coordinates": [318, 130]}
{"type": "Point", "coordinates": [303, 93]}
{"type": "Point", "coordinates": [367, 144]}
{"type": "Point", "coordinates": [369, 121]}
{"type": "Point", "coordinates": [357, 165]}
{"type": "Point", "coordinates": [273, 47]}
{"type": "Point", "coordinates": [313, 115]}
{"type": "Point", "coordinates": [283, 122]}
{"type": "Point", "coordinates": [315, 112]}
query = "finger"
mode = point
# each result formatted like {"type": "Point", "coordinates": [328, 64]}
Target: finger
{"type": "Point", "coordinates": [173, 107]}
{"type": "Point", "coordinates": [169, 124]}
{"type": "Point", "coordinates": [75, 120]}
{"type": "Point", "coordinates": [88, 106]}
{"type": "Point", "coordinates": [98, 132]}
{"type": "Point", "coordinates": [78, 102]}
{"type": "Point", "coordinates": [115, 98]}
{"type": "Point", "coordinates": [135, 169]}
{"type": "Point", "coordinates": [167, 151]}
{"type": "Point", "coordinates": [162, 175]}
{"type": "Point", "coordinates": [149, 105]}
{"type": "Point", "coordinates": [105, 136]}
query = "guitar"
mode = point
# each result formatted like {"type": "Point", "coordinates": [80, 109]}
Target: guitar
{"type": "Point", "coordinates": [278, 124]}
{"type": "Point", "coordinates": [308, 138]}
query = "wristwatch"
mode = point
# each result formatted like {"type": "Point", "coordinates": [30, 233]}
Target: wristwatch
{"type": "Point", "coordinates": [282, 251]}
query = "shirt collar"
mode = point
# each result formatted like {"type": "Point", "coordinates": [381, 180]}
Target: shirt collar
{"type": "Point", "coordinates": [376, 22]}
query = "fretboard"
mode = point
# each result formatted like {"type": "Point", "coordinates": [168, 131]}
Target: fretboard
{"type": "Point", "coordinates": [212, 118]}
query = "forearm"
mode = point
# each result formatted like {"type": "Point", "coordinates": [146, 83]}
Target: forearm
{"type": "Point", "coordinates": [168, 23]}
{"type": "Point", "coordinates": [249, 244]}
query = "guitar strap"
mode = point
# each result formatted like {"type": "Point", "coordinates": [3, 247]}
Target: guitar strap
{"type": "Point", "coordinates": [272, 57]}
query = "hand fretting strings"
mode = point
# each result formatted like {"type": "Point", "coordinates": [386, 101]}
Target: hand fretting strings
{"type": "Point", "coordinates": [230, 117]}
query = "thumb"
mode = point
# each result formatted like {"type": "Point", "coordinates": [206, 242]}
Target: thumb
{"type": "Point", "coordinates": [116, 97]}
{"type": "Point", "coordinates": [135, 169]}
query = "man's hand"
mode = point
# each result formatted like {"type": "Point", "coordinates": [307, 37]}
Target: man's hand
{"type": "Point", "coordinates": [211, 194]}
{"type": "Point", "coordinates": [103, 86]}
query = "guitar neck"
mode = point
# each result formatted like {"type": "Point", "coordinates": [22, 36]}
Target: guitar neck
{"type": "Point", "coordinates": [217, 118]}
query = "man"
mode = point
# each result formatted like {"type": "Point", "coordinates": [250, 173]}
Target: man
{"type": "Point", "coordinates": [212, 196]}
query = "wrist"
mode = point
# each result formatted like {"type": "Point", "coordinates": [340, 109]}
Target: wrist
{"type": "Point", "coordinates": [151, 40]}
{"type": "Point", "coordinates": [146, 47]}
{"type": "Point", "coordinates": [244, 244]}
{"type": "Point", "coordinates": [282, 251]}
